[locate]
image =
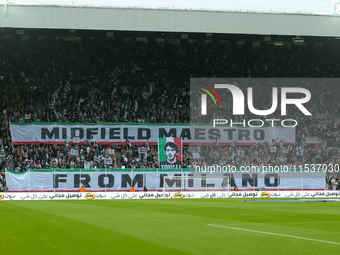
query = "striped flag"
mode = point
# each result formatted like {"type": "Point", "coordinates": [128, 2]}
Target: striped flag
{"type": "Point", "coordinates": [57, 114]}
{"type": "Point", "coordinates": [218, 137]}
{"type": "Point", "coordinates": [128, 141]}
{"type": "Point", "coordinates": [134, 67]}
{"type": "Point", "coordinates": [272, 141]}
{"type": "Point", "coordinates": [255, 145]}
{"type": "Point", "coordinates": [115, 74]}
{"type": "Point", "coordinates": [67, 87]}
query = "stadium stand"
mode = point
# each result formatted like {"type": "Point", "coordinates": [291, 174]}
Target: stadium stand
{"type": "Point", "coordinates": [116, 81]}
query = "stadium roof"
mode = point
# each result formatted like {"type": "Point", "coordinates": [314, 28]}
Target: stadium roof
{"type": "Point", "coordinates": [290, 17]}
{"type": "Point", "coordinates": [322, 7]}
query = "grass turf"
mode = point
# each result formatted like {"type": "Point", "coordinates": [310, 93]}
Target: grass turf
{"type": "Point", "coordinates": [167, 227]}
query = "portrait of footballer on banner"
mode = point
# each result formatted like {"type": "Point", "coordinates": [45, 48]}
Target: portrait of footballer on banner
{"type": "Point", "coordinates": [170, 152]}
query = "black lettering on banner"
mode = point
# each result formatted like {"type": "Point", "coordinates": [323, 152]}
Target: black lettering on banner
{"type": "Point", "coordinates": [82, 178]}
{"type": "Point", "coordinates": [126, 134]}
{"type": "Point", "coordinates": [243, 134]}
{"type": "Point", "coordinates": [102, 133]}
{"type": "Point", "coordinates": [259, 135]}
{"type": "Point", "coordinates": [147, 132]}
{"type": "Point", "coordinates": [114, 132]}
{"type": "Point", "coordinates": [231, 179]}
{"type": "Point", "coordinates": [230, 133]}
{"type": "Point", "coordinates": [90, 132]}
{"type": "Point", "coordinates": [64, 133]}
{"type": "Point", "coordinates": [199, 134]}
{"type": "Point", "coordinates": [80, 130]}
{"type": "Point", "coordinates": [252, 181]}
{"type": "Point", "coordinates": [214, 133]}
{"type": "Point", "coordinates": [186, 133]}
{"type": "Point", "coordinates": [58, 178]}
{"type": "Point", "coordinates": [204, 182]}
{"type": "Point", "coordinates": [169, 182]}
{"type": "Point", "coordinates": [172, 132]}
{"type": "Point", "coordinates": [126, 179]}
{"type": "Point", "coordinates": [267, 182]}
{"type": "Point", "coordinates": [45, 132]}
{"type": "Point", "coordinates": [101, 181]}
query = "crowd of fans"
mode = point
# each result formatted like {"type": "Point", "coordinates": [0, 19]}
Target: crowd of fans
{"type": "Point", "coordinates": [3, 166]}
{"type": "Point", "coordinates": [87, 156]}
{"type": "Point", "coordinates": [259, 155]}
{"type": "Point", "coordinates": [114, 81]}
{"type": "Point", "coordinates": [108, 86]}
{"type": "Point", "coordinates": [60, 156]}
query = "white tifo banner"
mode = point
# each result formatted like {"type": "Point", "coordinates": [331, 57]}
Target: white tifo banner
{"type": "Point", "coordinates": [141, 133]}
{"type": "Point", "coordinates": [154, 181]}
{"type": "Point", "coordinates": [161, 195]}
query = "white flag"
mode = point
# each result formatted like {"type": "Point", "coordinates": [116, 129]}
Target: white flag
{"type": "Point", "coordinates": [136, 106]}
{"type": "Point", "coordinates": [107, 161]}
{"type": "Point", "coordinates": [74, 152]}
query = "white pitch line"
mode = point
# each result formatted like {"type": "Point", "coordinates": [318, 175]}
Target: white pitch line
{"type": "Point", "coordinates": [292, 222]}
{"type": "Point", "coordinates": [274, 234]}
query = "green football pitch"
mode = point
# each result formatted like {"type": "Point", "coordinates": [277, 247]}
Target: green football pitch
{"type": "Point", "coordinates": [183, 226]}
